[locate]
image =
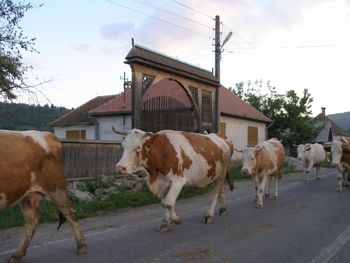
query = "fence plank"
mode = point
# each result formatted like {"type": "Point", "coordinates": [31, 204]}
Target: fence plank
{"type": "Point", "coordinates": [90, 158]}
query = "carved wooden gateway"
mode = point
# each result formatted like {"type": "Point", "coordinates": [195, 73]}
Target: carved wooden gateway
{"type": "Point", "coordinates": [169, 94]}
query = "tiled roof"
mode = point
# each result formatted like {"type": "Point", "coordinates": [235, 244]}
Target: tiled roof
{"type": "Point", "coordinates": [329, 128]}
{"type": "Point", "coordinates": [118, 106]}
{"type": "Point", "coordinates": [79, 115]}
{"type": "Point", "coordinates": [230, 105]}
{"type": "Point", "coordinates": [336, 130]}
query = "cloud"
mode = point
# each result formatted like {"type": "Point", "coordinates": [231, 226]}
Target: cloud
{"type": "Point", "coordinates": [83, 48]}
{"type": "Point", "coordinates": [116, 31]}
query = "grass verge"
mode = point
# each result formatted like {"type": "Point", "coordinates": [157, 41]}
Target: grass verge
{"type": "Point", "coordinates": [13, 216]}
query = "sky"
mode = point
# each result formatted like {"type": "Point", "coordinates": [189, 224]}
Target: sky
{"type": "Point", "coordinates": [294, 44]}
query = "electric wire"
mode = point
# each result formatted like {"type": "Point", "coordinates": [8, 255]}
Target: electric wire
{"type": "Point", "coordinates": [159, 19]}
{"type": "Point", "coordinates": [194, 10]}
{"type": "Point", "coordinates": [170, 12]}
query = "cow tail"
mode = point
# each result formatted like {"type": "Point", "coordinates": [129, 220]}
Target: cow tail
{"type": "Point", "coordinates": [229, 181]}
{"type": "Point", "coordinates": [61, 219]}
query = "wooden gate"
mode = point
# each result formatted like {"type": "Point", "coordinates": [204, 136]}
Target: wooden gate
{"type": "Point", "coordinates": [160, 113]}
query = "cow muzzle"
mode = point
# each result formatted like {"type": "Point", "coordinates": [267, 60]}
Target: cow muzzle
{"type": "Point", "coordinates": [121, 169]}
{"type": "Point", "coordinates": [245, 171]}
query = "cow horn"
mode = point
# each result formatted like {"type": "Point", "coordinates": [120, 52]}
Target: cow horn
{"type": "Point", "coordinates": [118, 132]}
{"type": "Point", "coordinates": [237, 150]}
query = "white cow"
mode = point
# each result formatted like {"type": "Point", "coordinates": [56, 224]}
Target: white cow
{"type": "Point", "coordinates": [262, 161]}
{"type": "Point", "coordinates": [312, 155]}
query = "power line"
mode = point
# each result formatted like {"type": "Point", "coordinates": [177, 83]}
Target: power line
{"type": "Point", "coordinates": [188, 7]}
{"type": "Point", "coordinates": [289, 47]}
{"type": "Point", "coordinates": [159, 19]}
{"type": "Point", "coordinates": [170, 12]}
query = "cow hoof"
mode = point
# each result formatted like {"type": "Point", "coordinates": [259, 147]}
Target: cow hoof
{"type": "Point", "coordinates": [208, 220]}
{"type": "Point", "coordinates": [275, 197]}
{"type": "Point", "coordinates": [14, 260]}
{"type": "Point", "coordinates": [267, 195]}
{"type": "Point", "coordinates": [222, 211]}
{"type": "Point", "coordinates": [259, 206]}
{"type": "Point", "coordinates": [165, 228]}
{"type": "Point", "coordinates": [177, 220]}
{"type": "Point", "coordinates": [16, 257]}
{"type": "Point", "coordinates": [317, 178]}
{"type": "Point", "coordinates": [339, 190]}
{"type": "Point", "coordinates": [82, 249]}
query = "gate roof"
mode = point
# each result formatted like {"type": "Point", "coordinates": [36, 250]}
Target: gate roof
{"type": "Point", "coordinates": [141, 55]}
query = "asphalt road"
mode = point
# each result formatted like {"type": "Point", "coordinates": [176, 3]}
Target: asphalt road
{"type": "Point", "coordinates": [309, 223]}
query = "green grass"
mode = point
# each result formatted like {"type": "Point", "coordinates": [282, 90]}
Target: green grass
{"type": "Point", "coordinates": [13, 216]}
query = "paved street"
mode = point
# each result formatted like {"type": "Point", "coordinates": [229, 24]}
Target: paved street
{"type": "Point", "coordinates": [310, 223]}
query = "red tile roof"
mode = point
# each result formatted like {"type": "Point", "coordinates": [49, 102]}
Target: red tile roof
{"type": "Point", "coordinates": [79, 115]}
{"type": "Point", "coordinates": [230, 105]}
{"type": "Point", "coordinates": [119, 104]}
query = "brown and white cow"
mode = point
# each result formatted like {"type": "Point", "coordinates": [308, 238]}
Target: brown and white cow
{"type": "Point", "coordinates": [312, 155]}
{"type": "Point", "coordinates": [262, 161]}
{"type": "Point", "coordinates": [32, 167]}
{"type": "Point", "coordinates": [340, 152]}
{"type": "Point", "coordinates": [173, 159]}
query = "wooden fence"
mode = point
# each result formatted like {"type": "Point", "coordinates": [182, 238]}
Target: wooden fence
{"type": "Point", "coordinates": [90, 158]}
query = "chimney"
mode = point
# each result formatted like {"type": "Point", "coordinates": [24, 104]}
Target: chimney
{"type": "Point", "coordinates": [323, 111]}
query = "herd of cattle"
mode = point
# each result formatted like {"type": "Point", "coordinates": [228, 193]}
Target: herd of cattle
{"type": "Point", "coordinates": [32, 167]}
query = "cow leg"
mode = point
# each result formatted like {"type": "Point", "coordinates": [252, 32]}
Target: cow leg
{"type": "Point", "coordinates": [308, 170]}
{"type": "Point", "coordinates": [208, 219]}
{"type": "Point", "coordinates": [168, 204]}
{"type": "Point", "coordinates": [340, 180]}
{"type": "Point", "coordinates": [222, 198]}
{"type": "Point", "coordinates": [61, 199]}
{"type": "Point", "coordinates": [318, 167]}
{"type": "Point", "coordinates": [268, 185]}
{"type": "Point", "coordinates": [257, 183]}
{"type": "Point", "coordinates": [31, 216]}
{"type": "Point", "coordinates": [261, 189]}
{"type": "Point", "coordinates": [278, 177]}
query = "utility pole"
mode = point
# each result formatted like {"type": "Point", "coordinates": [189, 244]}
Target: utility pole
{"type": "Point", "coordinates": [124, 85]}
{"type": "Point", "coordinates": [217, 47]}
{"type": "Point", "coordinates": [218, 50]}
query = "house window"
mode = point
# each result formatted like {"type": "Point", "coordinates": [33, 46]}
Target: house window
{"type": "Point", "coordinates": [206, 106]}
{"type": "Point", "coordinates": [223, 128]}
{"type": "Point", "coordinates": [76, 134]}
{"type": "Point", "coordinates": [252, 136]}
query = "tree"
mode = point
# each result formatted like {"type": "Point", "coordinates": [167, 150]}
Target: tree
{"type": "Point", "coordinates": [12, 43]}
{"type": "Point", "coordinates": [291, 114]}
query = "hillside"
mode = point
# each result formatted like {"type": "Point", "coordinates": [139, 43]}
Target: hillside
{"type": "Point", "coordinates": [15, 116]}
{"type": "Point", "coordinates": [342, 120]}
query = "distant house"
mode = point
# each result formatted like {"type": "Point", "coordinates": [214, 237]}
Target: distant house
{"type": "Point", "coordinates": [239, 121]}
{"type": "Point", "coordinates": [331, 131]}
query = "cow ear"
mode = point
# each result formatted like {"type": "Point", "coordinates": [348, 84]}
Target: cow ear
{"type": "Point", "coordinates": [346, 151]}
{"type": "Point", "coordinates": [258, 148]}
